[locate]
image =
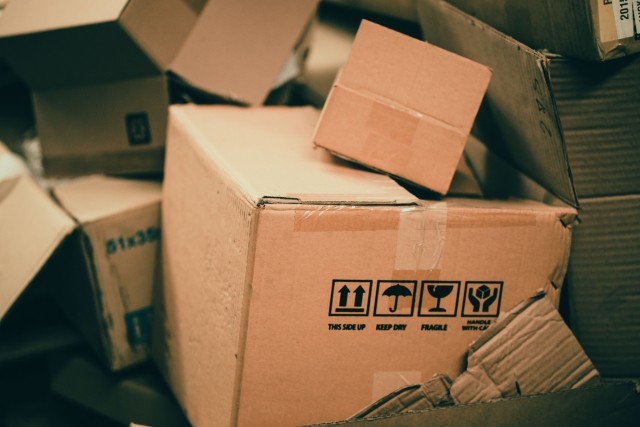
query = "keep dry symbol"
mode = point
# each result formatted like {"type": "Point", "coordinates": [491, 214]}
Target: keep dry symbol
{"type": "Point", "coordinates": [396, 291]}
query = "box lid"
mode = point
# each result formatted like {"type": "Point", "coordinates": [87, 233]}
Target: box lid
{"type": "Point", "coordinates": [252, 38]}
{"type": "Point", "coordinates": [95, 197]}
{"type": "Point", "coordinates": [31, 228]}
{"type": "Point", "coordinates": [88, 41]}
{"type": "Point", "coordinates": [290, 170]}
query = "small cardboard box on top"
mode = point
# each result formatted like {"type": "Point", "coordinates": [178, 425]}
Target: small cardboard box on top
{"type": "Point", "coordinates": [595, 30]}
{"type": "Point", "coordinates": [402, 106]}
{"type": "Point", "coordinates": [573, 127]}
{"type": "Point", "coordinates": [98, 69]}
{"type": "Point", "coordinates": [314, 270]}
{"type": "Point", "coordinates": [106, 272]}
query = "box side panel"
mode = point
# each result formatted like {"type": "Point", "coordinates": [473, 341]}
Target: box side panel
{"type": "Point", "coordinates": [602, 284]}
{"type": "Point", "coordinates": [386, 136]}
{"type": "Point", "coordinates": [124, 251]}
{"type": "Point", "coordinates": [560, 26]}
{"type": "Point", "coordinates": [599, 107]}
{"type": "Point", "coordinates": [199, 312]}
{"type": "Point", "coordinates": [111, 128]}
{"type": "Point", "coordinates": [31, 228]}
{"type": "Point", "coordinates": [80, 55]}
{"type": "Point", "coordinates": [159, 26]}
{"type": "Point", "coordinates": [265, 35]}
{"type": "Point", "coordinates": [518, 96]}
{"type": "Point", "coordinates": [616, 26]}
{"type": "Point", "coordinates": [329, 316]}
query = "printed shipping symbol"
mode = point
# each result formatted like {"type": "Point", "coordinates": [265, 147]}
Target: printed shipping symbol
{"type": "Point", "coordinates": [482, 298]}
{"type": "Point", "coordinates": [344, 300]}
{"type": "Point", "coordinates": [397, 291]}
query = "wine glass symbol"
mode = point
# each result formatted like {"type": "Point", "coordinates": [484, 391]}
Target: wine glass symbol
{"type": "Point", "coordinates": [439, 292]}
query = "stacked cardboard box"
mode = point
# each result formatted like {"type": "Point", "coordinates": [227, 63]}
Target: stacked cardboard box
{"type": "Point", "coordinates": [572, 126]}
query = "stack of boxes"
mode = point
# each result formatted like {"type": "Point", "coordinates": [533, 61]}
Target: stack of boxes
{"type": "Point", "coordinates": [286, 265]}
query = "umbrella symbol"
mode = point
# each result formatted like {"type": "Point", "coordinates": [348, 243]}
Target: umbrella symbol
{"type": "Point", "coordinates": [396, 290]}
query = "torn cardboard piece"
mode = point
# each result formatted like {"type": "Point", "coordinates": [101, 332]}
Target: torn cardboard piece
{"type": "Point", "coordinates": [402, 106]}
{"type": "Point", "coordinates": [593, 30]}
{"type": "Point", "coordinates": [109, 298]}
{"type": "Point", "coordinates": [279, 292]}
{"type": "Point", "coordinates": [528, 351]}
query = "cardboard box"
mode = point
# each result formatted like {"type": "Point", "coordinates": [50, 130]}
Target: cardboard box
{"type": "Point", "coordinates": [573, 128]}
{"type": "Point", "coordinates": [570, 126]}
{"type": "Point", "coordinates": [97, 70]}
{"type": "Point", "coordinates": [31, 228]}
{"type": "Point", "coordinates": [402, 106]}
{"type": "Point", "coordinates": [602, 286]}
{"type": "Point", "coordinates": [114, 256]}
{"type": "Point", "coordinates": [595, 30]}
{"type": "Point", "coordinates": [296, 288]}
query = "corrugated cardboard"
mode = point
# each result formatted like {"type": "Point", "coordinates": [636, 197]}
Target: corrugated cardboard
{"type": "Point", "coordinates": [529, 351]}
{"type": "Point", "coordinates": [312, 269]}
{"type": "Point", "coordinates": [595, 30]}
{"type": "Point", "coordinates": [31, 228]}
{"type": "Point", "coordinates": [608, 404]}
{"type": "Point", "coordinates": [97, 70]}
{"type": "Point", "coordinates": [569, 125]}
{"type": "Point", "coordinates": [402, 106]}
{"type": "Point", "coordinates": [602, 284]}
{"type": "Point", "coordinates": [117, 245]}
{"type": "Point", "coordinates": [572, 127]}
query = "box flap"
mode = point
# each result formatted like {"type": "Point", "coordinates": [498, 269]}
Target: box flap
{"type": "Point", "coordinates": [238, 47]}
{"type": "Point", "coordinates": [416, 75]}
{"type": "Point", "coordinates": [95, 197]}
{"type": "Point", "coordinates": [518, 95]}
{"type": "Point", "coordinates": [290, 170]}
{"type": "Point", "coordinates": [529, 351]}
{"type": "Point", "coordinates": [31, 16]}
{"type": "Point", "coordinates": [31, 228]}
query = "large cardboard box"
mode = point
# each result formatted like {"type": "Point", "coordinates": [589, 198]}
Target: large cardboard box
{"type": "Point", "coordinates": [106, 273]}
{"type": "Point", "coordinates": [573, 127]}
{"type": "Point", "coordinates": [97, 69]}
{"type": "Point", "coordinates": [595, 30]}
{"type": "Point", "coordinates": [297, 287]}
{"type": "Point", "coordinates": [402, 106]}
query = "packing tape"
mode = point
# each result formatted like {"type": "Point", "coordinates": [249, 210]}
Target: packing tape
{"type": "Point", "coordinates": [422, 234]}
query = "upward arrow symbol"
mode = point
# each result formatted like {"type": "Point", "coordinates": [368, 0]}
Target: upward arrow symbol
{"type": "Point", "coordinates": [344, 295]}
{"type": "Point", "coordinates": [358, 300]}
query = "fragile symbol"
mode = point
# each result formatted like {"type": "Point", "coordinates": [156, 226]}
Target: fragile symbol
{"type": "Point", "coordinates": [439, 292]}
{"type": "Point", "coordinates": [439, 298]}
{"type": "Point", "coordinates": [396, 291]}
